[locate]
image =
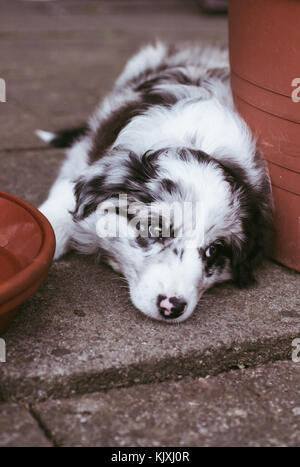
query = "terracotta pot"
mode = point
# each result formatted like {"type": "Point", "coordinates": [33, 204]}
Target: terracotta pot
{"type": "Point", "coordinates": [264, 38]}
{"type": "Point", "coordinates": [27, 245]}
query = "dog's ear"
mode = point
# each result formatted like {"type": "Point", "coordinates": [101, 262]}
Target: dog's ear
{"type": "Point", "coordinates": [100, 181]}
{"type": "Point", "coordinates": [121, 172]}
{"type": "Point", "coordinates": [257, 219]}
{"type": "Point", "coordinates": [89, 193]}
{"type": "Point", "coordinates": [257, 227]}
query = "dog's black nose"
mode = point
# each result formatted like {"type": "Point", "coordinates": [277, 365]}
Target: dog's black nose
{"type": "Point", "coordinates": [171, 308]}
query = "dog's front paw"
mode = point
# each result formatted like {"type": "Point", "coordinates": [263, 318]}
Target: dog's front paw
{"type": "Point", "coordinates": [61, 230]}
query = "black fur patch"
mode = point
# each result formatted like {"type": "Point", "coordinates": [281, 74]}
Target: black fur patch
{"type": "Point", "coordinates": [222, 74]}
{"type": "Point", "coordinates": [168, 76]}
{"type": "Point", "coordinates": [93, 190]}
{"type": "Point", "coordinates": [110, 128]}
{"type": "Point", "coordinates": [233, 173]}
{"type": "Point", "coordinates": [169, 186]}
{"type": "Point", "coordinates": [65, 138]}
{"type": "Point", "coordinates": [142, 169]}
{"type": "Point", "coordinates": [201, 156]}
{"type": "Point", "coordinates": [257, 226]}
{"type": "Point", "coordinates": [164, 68]}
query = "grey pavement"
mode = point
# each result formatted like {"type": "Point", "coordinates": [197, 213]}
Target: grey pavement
{"type": "Point", "coordinates": [79, 336]}
{"type": "Point", "coordinates": [252, 407]}
{"type": "Point", "coordinates": [258, 407]}
{"type": "Point", "coordinates": [19, 429]}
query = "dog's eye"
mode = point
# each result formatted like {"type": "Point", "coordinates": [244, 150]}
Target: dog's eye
{"type": "Point", "coordinates": [215, 250]}
{"type": "Point", "coordinates": [212, 251]}
{"type": "Point", "coordinates": [155, 232]}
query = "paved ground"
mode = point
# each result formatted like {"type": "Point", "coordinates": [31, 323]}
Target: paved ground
{"type": "Point", "coordinates": [253, 407]}
{"type": "Point", "coordinates": [79, 336]}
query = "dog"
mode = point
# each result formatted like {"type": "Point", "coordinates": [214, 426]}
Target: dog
{"type": "Point", "coordinates": [168, 134]}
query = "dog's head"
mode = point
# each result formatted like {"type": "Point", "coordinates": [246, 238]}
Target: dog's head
{"type": "Point", "coordinates": [173, 222]}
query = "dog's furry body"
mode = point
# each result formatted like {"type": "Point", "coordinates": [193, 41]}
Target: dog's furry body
{"type": "Point", "coordinates": [168, 132]}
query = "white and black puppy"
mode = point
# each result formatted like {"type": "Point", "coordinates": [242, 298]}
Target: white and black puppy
{"type": "Point", "coordinates": [167, 135]}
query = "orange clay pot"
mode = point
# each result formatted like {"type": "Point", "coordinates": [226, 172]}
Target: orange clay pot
{"type": "Point", "coordinates": [27, 246]}
{"type": "Point", "coordinates": [264, 41]}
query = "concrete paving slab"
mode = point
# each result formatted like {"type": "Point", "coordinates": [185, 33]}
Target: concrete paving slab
{"type": "Point", "coordinates": [106, 16]}
{"type": "Point", "coordinates": [19, 429]}
{"type": "Point", "coordinates": [29, 174]}
{"type": "Point", "coordinates": [60, 58]}
{"type": "Point", "coordinates": [45, 40]}
{"type": "Point", "coordinates": [16, 125]}
{"type": "Point", "coordinates": [257, 407]}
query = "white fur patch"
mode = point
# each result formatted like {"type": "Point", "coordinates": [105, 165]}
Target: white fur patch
{"type": "Point", "coordinates": [45, 136]}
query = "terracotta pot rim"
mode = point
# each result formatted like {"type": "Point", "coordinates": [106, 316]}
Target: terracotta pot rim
{"type": "Point", "coordinates": [272, 103]}
{"type": "Point", "coordinates": [23, 279]}
{"type": "Point", "coordinates": [258, 84]}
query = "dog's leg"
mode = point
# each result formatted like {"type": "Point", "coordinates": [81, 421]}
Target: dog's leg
{"type": "Point", "coordinates": [61, 199]}
{"type": "Point", "coordinates": [57, 209]}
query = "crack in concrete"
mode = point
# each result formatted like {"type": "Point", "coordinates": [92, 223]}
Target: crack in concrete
{"type": "Point", "coordinates": [43, 427]}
